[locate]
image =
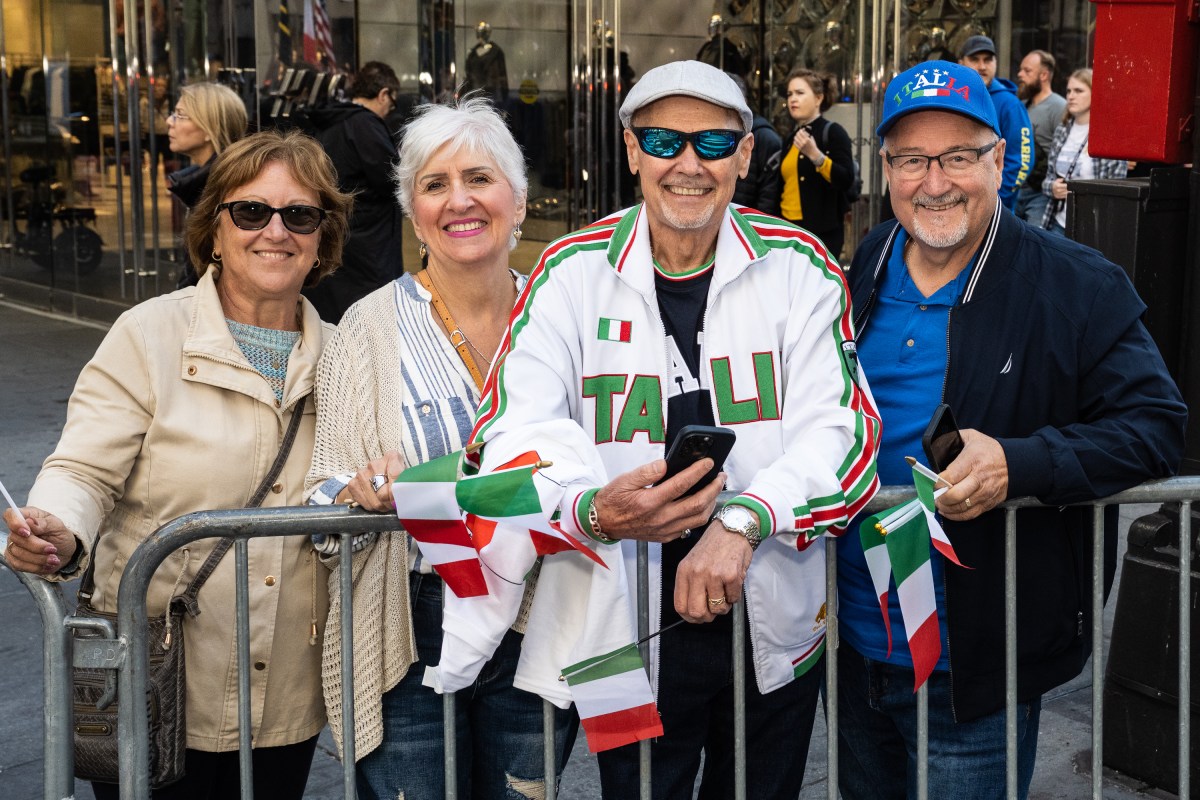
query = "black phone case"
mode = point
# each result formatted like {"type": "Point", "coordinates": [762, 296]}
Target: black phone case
{"type": "Point", "coordinates": [687, 449]}
{"type": "Point", "coordinates": [940, 424]}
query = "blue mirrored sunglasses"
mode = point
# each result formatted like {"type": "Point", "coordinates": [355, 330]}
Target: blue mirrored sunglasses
{"type": "Point", "coordinates": [667, 143]}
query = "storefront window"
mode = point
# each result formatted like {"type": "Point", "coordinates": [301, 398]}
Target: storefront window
{"type": "Point", "coordinates": [89, 228]}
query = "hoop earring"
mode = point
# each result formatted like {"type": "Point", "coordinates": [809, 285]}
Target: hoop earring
{"type": "Point", "coordinates": [216, 256]}
{"type": "Point", "coordinates": [422, 250]}
{"type": "Point", "coordinates": [316, 263]}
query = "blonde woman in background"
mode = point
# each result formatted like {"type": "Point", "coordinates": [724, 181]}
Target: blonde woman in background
{"type": "Point", "coordinates": [1068, 158]}
{"type": "Point", "coordinates": [207, 119]}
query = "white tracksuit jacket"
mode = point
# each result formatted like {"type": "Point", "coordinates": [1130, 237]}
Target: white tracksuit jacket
{"type": "Point", "coordinates": [582, 378]}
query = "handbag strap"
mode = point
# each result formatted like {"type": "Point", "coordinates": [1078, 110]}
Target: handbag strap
{"type": "Point", "coordinates": [188, 598]}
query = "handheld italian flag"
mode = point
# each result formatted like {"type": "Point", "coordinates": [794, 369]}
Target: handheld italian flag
{"type": "Point", "coordinates": [896, 545]}
{"type": "Point", "coordinates": [508, 518]}
{"type": "Point", "coordinates": [426, 504]}
{"type": "Point", "coordinates": [613, 697]}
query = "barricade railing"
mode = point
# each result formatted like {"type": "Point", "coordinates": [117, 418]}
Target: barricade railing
{"type": "Point", "coordinates": [244, 524]}
{"type": "Point", "coordinates": [58, 772]}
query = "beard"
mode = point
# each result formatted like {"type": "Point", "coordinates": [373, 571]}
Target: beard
{"type": "Point", "coordinates": [1027, 91]}
{"type": "Point", "coordinates": [939, 237]}
{"type": "Point", "coordinates": [691, 220]}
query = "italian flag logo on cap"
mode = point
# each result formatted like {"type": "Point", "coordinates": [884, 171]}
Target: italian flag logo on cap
{"type": "Point", "coordinates": [614, 330]}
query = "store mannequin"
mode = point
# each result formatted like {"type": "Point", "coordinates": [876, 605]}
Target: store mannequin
{"type": "Point", "coordinates": [722, 52]}
{"type": "Point", "coordinates": [486, 69]}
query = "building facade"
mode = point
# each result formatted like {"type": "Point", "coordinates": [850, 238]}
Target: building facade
{"type": "Point", "coordinates": [88, 228]}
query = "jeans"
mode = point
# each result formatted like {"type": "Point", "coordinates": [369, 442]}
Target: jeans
{"type": "Point", "coordinates": [695, 699]}
{"type": "Point", "coordinates": [1031, 205]}
{"type": "Point", "coordinates": [499, 728]}
{"type": "Point", "coordinates": [1055, 228]}
{"type": "Point", "coordinates": [877, 737]}
{"type": "Point", "coordinates": [280, 773]}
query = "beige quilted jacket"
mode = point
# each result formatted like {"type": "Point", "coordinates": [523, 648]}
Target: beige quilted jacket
{"type": "Point", "coordinates": [168, 418]}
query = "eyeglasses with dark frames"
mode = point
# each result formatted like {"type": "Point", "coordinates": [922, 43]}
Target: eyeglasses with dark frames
{"type": "Point", "coordinates": [710, 145]}
{"type": "Point", "coordinates": [250, 215]}
{"type": "Point", "coordinates": [952, 162]}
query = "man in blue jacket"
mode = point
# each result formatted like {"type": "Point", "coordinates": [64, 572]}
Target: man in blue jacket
{"type": "Point", "coordinates": [979, 53]}
{"type": "Point", "coordinates": [1037, 344]}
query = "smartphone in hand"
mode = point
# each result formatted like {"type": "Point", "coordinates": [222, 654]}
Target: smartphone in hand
{"type": "Point", "coordinates": [694, 442]}
{"type": "Point", "coordinates": [942, 441]}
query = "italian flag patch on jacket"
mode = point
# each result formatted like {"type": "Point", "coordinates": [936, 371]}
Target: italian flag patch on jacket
{"type": "Point", "coordinates": [614, 330]}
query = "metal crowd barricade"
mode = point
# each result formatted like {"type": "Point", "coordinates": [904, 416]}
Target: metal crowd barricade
{"type": "Point", "coordinates": [244, 524]}
{"type": "Point", "coordinates": [1185, 490]}
{"type": "Point", "coordinates": [58, 776]}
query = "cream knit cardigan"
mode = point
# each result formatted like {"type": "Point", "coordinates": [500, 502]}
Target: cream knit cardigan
{"type": "Point", "coordinates": [361, 400]}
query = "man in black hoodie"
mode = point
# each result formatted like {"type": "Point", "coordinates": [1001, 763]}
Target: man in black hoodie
{"type": "Point", "coordinates": [763, 184]}
{"type": "Point", "coordinates": [363, 151]}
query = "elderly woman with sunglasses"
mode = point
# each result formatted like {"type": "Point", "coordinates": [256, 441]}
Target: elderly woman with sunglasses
{"type": "Point", "coordinates": [398, 386]}
{"type": "Point", "coordinates": [183, 408]}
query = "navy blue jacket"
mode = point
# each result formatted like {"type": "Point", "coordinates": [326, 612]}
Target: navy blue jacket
{"type": "Point", "coordinates": [1047, 354]}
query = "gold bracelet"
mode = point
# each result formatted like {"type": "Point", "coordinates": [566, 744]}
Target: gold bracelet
{"type": "Point", "coordinates": [594, 523]}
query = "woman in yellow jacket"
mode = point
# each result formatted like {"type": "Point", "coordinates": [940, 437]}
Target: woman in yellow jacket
{"type": "Point", "coordinates": [818, 166]}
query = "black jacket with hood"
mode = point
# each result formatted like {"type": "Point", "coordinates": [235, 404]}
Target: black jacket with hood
{"type": "Point", "coordinates": [364, 154]}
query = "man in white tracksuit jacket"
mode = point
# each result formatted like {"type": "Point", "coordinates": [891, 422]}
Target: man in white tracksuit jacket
{"type": "Point", "coordinates": [685, 310]}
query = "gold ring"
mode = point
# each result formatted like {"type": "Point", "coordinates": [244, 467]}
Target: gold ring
{"type": "Point", "coordinates": [967, 502]}
{"type": "Point", "coordinates": [716, 601]}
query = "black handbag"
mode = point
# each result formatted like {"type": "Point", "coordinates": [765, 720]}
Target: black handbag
{"type": "Point", "coordinates": [95, 709]}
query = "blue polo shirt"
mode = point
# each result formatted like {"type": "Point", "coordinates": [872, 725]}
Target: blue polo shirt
{"type": "Point", "coordinates": [903, 352]}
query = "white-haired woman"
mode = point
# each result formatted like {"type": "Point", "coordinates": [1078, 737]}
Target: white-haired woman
{"type": "Point", "coordinates": [398, 386]}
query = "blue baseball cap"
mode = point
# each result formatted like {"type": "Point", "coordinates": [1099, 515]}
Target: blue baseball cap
{"type": "Point", "coordinates": [938, 86]}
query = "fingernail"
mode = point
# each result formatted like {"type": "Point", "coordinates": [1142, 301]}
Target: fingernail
{"type": "Point", "coordinates": [53, 561]}
{"type": "Point", "coordinates": [50, 550]}
{"type": "Point", "coordinates": [23, 532]}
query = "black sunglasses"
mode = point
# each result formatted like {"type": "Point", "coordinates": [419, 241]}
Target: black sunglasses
{"type": "Point", "coordinates": [667, 143]}
{"type": "Point", "coordinates": [250, 215]}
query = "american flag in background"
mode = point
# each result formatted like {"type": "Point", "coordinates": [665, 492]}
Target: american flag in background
{"type": "Point", "coordinates": [318, 34]}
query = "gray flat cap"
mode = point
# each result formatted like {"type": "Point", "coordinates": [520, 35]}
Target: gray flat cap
{"type": "Point", "coordinates": [690, 78]}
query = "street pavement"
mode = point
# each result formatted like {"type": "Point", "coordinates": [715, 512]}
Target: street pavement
{"type": "Point", "coordinates": [41, 355]}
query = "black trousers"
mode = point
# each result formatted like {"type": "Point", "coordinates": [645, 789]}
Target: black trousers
{"type": "Point", "coordinates": [280, 773]}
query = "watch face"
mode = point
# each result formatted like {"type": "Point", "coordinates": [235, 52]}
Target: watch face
{"type": "Point", "coordinates": [737, 518]}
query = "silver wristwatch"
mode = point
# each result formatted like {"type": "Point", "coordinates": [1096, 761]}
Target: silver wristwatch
{"type": "Point", "coordinates": [742, 521]}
